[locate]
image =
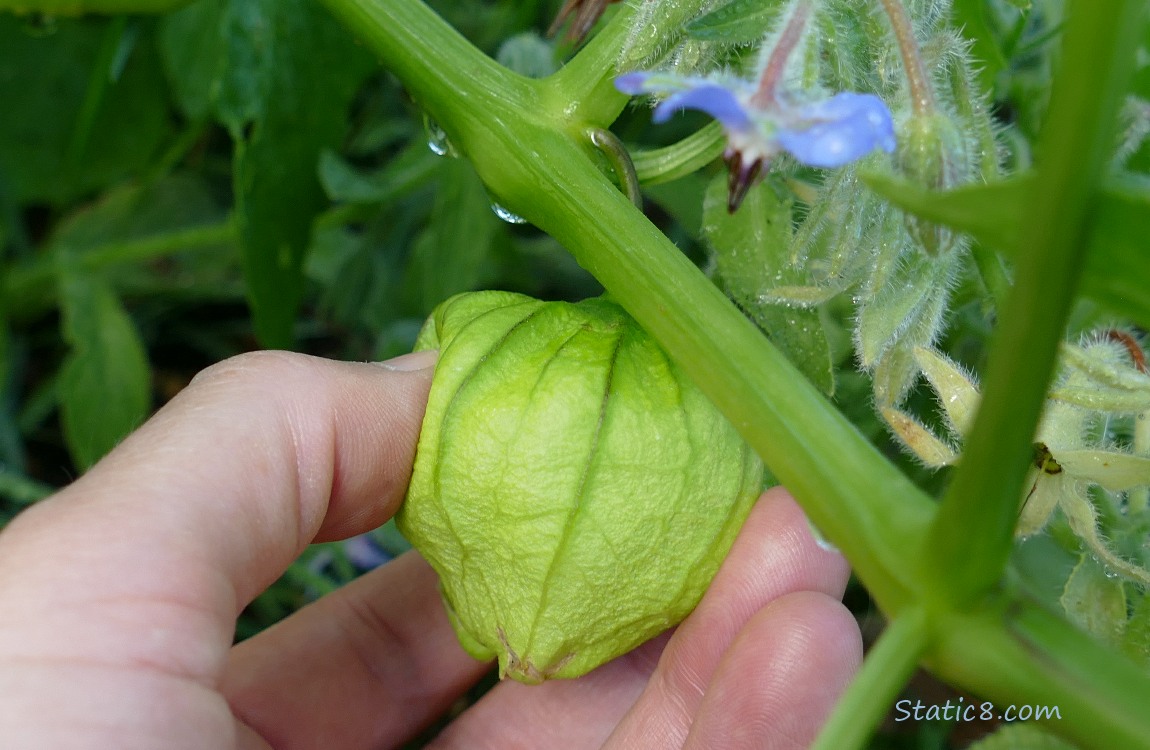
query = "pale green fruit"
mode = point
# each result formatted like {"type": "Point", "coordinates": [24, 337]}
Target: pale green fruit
{"type": "Point", "coordinates": [573, 489]}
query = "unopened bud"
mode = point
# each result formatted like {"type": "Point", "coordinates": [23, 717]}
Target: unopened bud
{"type": "Point", "coordinates": [931, 153]}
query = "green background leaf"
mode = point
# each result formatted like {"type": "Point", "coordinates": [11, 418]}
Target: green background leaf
{"type": "Point", "coordinates": [750, 252]}
{"type": "Point", "coordinates": [737, 22]}
{"type": "Point", "coordinates": [44, 84]}
{"type": "Point", "coordinates": [105, 383]}
{"type": "Point", "coordinates": [1117, 269]}
{"type": "Point", "coordinates": [282, 79]}
{"type": "Point", "coordinates": [451, 255]}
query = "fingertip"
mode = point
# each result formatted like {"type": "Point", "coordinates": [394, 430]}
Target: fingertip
{"type": "Point", "coordinates": [782, 676]}
{"type": "Point", "coordinates": [779, 551]}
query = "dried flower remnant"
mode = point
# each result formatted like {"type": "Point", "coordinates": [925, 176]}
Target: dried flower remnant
{"type": "Point", "coordinates": [586, 13]}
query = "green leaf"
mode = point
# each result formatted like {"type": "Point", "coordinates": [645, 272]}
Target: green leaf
{"type": "Point", "coordinates": [410, 170]}
{"type": "Point", "coordinates": [44, 85]}
{"type": "Point", "coordinates": [1117, 270]}
{"type": "Point", "coordinates": [989, 213]}
{"type": "Point", "coordinates": [133, 212]}
{"type": "Point", "coordinates": [737, 22]}
{"type": "Point", "coordinates": [126, 227]}
{"type": "Point", "coordinates": [195, 56]}
{"type": "Point", "coordinates": [971, 17]}
{"type": "Point", "coordinates": [451, 256]}
{"type": "Point", "coordinates": [105, 384]}
{"type": "Point", "coordinates": [1136, 637]}
{"type": "Point", "coordinates": [750, 252]}
{"type": "Point", "coordinates": [1095, 601]}
{"type": "Point", "coordinates": [280, 74]}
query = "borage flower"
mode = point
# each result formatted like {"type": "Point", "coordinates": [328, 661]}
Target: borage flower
{"type": "Point", "coordinates": [760, 124]}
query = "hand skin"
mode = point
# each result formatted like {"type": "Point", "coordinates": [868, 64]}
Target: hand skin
{"type": "Point", "coordinates": [118, 598]}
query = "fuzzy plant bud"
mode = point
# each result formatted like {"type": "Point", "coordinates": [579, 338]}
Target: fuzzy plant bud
{"type": "Point", "coordinates": [931, 153]}
{"type": "Point", "coordinates": [572, 488]}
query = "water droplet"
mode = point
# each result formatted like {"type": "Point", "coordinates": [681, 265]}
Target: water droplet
{"type": "Point", "coordinates": [1109, 573]}
{"type": "Point", "coordinates": [437, 139]}
{"type": "Point", "coordinates": [509, 217]}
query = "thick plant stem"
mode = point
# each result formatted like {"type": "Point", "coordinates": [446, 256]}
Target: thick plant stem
{"type": "Point", "coordinates": [1014, 652]}
{"type": "Point", "coordinates": [888, 666]}
{"type": "Point", "coordinates": [983, 500]}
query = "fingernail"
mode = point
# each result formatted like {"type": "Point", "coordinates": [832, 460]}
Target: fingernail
{"type": "Point", "coordinates": [824, 543]}
{"type": "Point", "coordinates": [411, 362]}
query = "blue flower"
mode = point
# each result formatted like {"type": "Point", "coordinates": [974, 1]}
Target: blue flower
{"type": "Point", "coordinates": [824, 133]}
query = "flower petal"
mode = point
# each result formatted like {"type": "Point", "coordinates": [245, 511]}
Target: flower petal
{"type": "Point", "coordinates": [633, 83]}
{"type": "Point", "coordinates": [839, 130]}
{"type": "Point", "coordinates": [715, 100]}
{"type": "Point", "coordinates": [649, 82]}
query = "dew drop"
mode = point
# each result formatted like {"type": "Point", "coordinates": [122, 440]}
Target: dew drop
{"type": "Point", "coordinates": [508, 216]}
{"type": "Point", "coordinates": [437, 139]}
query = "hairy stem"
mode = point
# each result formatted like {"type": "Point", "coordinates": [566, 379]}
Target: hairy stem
{"type": "Point", "coordinates": [921, 92]}
{"type": "Point", "coordinates": [785, 45]}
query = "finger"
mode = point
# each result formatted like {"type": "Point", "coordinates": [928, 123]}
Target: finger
{"type": "Point", "coordinates": [373, 663]}
{"type": "Point", "coordinates": [774, 555]}
{"type": "Point", "coordinates": [778, 682]}
{"type": "Point", "coordinates": [204, 506]}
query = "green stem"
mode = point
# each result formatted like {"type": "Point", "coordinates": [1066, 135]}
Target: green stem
{"type": "Point", "coordinates": [29, 287]}
{"type": "Point", "coordinates": [983, 499]}
{"type": "Point", "coordinates": [616, 154]}
{"type": "Point", "coordinates": [1138, 500]}
{"type": "Point", "coordinates": [992, 272]}
{"type": "Point", "coordinates": [680, 159]}
{"type": "Point", "coordinates": [1014, 652]}
{"type": "Point", "coordinates": [455, 83]}
{"type": "Point", "coordinates": [584, 88]}
{"type": "Point", "coordinates": [886, 670]}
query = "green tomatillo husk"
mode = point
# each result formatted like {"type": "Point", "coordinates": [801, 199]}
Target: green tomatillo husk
{"type": "Point", "coordinates": [572, 488]}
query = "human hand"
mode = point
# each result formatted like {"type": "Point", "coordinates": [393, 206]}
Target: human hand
{"type": "Point", "coordinates": [118, 598]}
